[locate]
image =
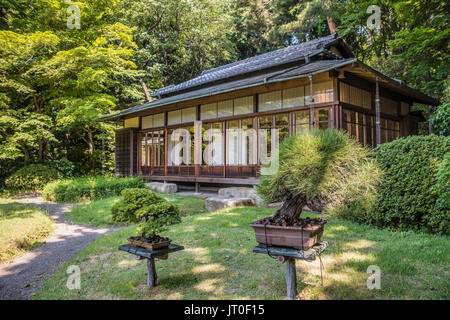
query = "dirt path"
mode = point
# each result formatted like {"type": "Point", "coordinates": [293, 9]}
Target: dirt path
{"type": "Point", "coordinates": [23, 276]}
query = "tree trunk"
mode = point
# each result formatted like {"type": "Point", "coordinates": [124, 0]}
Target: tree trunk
{"type": "Point", "coordinates": [41, 150]}
{"type": "Point", "coordinates": [90, 141]}
{"type": "Point", "coordinates": [147, 94]}
{"type": "Point", "coordinates": [290, 211]}
{"type": "Point", "coordinates": [331, 25]}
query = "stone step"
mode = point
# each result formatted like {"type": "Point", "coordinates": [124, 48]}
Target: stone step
{"type": "Point", "coordinates": [217, 203]}
{"type": "Point", "coordinates": [162, 187]}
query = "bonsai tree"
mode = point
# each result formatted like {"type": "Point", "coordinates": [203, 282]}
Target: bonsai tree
{"type": "Point", "coordinates": [321, 168]}
{"type": "Point", "coordinates": [156, 218]}
{"type": "Point", "coordinates": [133, 200]}
{"type": "Point", "coordinates": [151, 211]}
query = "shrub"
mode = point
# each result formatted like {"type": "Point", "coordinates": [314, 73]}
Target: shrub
{"type": "Point", "coordinates": [324, 165]}
{"type": "Point", "coordinates": [156, 218]}
{"type": "Point", "coordinates": [88, 188]}
{"type": "Point", "coordinates": [32, 177]}
{"type": "Point", "coordinates": [64, 167]}
{"type": "Point", "coordinates": [414, 191]}
{"type": "Point", "coordinates": [133, 200]}
{"type": "Point", "coordinates": [440, 222]}
{"type": "Point", "coordinates": [153, 212]}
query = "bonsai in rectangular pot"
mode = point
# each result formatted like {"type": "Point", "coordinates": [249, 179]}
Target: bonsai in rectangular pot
{"type": "Point", "coordinates": [287, 229]}
{"type": "Point", "coordinates": [318, 168]}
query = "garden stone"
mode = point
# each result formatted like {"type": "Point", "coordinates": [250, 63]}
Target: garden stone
{"type": "Point", "coordinates": [216, 203]}
{"type": "Point", "coordinates": [240, 192]}
{"type": "Point", "coordinates": [162, 187]}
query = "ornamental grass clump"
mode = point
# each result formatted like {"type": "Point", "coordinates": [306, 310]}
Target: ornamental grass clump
{"type": "Point", "coordinates": [323, 169]}
{"type": "Point", "coordinates": [152, 212]}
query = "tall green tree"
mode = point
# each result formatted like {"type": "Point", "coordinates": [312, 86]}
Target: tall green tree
{"type": "Point", "coordinates": [177, 39]}
{"type": "Point", "coordinates": [25, 127]}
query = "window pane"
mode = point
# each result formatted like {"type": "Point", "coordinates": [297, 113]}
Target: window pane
{"type": "Point", "coordinates": [147, 122]}
{"type": "Point", "coordinates": [225, 108]}
{"type": "Point", "coordinates": [269, 101]}
{"type": "Point", "coordinates": [301, 127]}
{"type": "Point", "coordinates": [243, 105]}
{"type": "Point", "coordinates": [132, 122]}
{"type": "Point", "coordinates": [150, 154]}
{"type": "Point", "coordinates": [323, 91]}
{"type": "Point", "coordinates": [294, 97]}
{"type": "Point", "coordinates": [302, 117]}
{"type": "Point", "coordinates": [321, 117]}
{"type": "Point", "coordinates": [158, 120]}
{"type": "Point", "coordinates": [174, 117]}
{"type": "Point", "coordinates": [208, 111]}
{"type": "Point", "coordinates": [162, 147]}
{"type": "Point", "coordinates": [248, 141]}
{"type": "Point", "coordinates": [264, 133]}
{"type": "Point", "coordinates": [282, 124]}
{"type": "Point", "coordinates": [188, 115]}
{"type": "Point", "coordinates": [143, 151]}
{"type": "Point", "coordinates": [217, 150]}
{"type": "Point", "coordinates": [232, 143]}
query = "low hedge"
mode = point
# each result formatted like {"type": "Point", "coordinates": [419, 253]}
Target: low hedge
{"type": "Point", "coordinates": [414, 192]}
{"type": "Point", "coordinates": [88, 188]}
{"type": "Point", "coordinates": [31, 178]}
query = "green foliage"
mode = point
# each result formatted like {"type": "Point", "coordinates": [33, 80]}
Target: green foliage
{"type": "Point", "coordinates": [414, 191]}
{"type": "Point", "coordinates": [134, 199]}
{"type": "Point", "coordinates": [157, 217]}
{"type": "Point", "coordinates": [88, 188]}
{"type": "Point", "coordinates": [64, 167]}
{"type": "Point", "coordinates": [32, 177]}
{"type": "Point", "coordinates": [178, 39]}
{"type": "Point", "coordinates": [326, 164]}
{"type": "Point", "coordinates": [153, 212]}
{"type": "Point", "coordinates": [441, 117]}
{"type": "Point", "coordinates": [439, 218]}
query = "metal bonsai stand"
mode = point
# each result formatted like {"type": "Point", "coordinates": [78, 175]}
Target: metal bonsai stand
{"type": "Point", "coordinates": [142, 253]}
{"type": "Point", "coordinates": [289, 255]}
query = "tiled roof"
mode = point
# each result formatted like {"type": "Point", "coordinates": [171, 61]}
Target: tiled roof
{"type": "Point", "coordinates": [260, 62]}
{"type": "Point", "coordinates": [273, 76]}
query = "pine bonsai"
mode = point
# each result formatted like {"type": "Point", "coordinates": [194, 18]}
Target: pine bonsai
{"type": "Point", "coordinates": [321, 169]}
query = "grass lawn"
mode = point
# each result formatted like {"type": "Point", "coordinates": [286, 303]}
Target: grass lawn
{"type": "Point", "coordinates": [22, 228]}
{"type": "Point", "coordinates": [98, 213]}
{"type": "Point", "coordinates": [218, 263]}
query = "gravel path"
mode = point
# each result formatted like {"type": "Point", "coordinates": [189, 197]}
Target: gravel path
{"type": "Point", "coordinates": [25, 275]}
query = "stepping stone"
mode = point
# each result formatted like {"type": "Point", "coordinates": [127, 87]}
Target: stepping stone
{"type": "Point", "coordinates": [215, 203]}
{"type": "Point", "coordinates": [162, 187]}
{"type": "Point", "coordinates": [240, 192]}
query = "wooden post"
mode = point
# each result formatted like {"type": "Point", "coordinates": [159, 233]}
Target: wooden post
{"type": "Point", "coordinates": [166, 148]}
{"type": "Point", "coordinates": [151, 273]}
{"type": "Point", "coordinates": [197, 187]}
{"type": "Point", "coordinates": [311, 98]}
{"type": "Point", "coordinates": [377, 113]}
{"type": "Point", "coordinates": [291, 278]}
